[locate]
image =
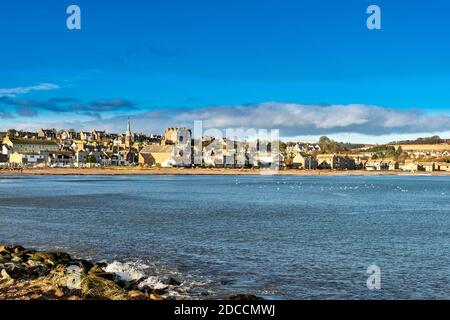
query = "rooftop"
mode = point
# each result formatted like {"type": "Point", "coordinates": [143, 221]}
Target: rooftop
{"type": "Point", "coordinates": [28, 141]}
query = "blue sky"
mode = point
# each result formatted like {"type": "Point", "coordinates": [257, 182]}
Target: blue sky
{"type": "Point", "coordinates": [293, 64]}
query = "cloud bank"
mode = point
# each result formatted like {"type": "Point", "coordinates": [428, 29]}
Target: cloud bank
{"type": "Point", "coordinates": [12, 92]}
{"type": "Point", "coordinates": [293, 120]}
{"type": "Point", "coordinates": [31, 108]}
{"type": "Point", "coordinates": [300, 119]}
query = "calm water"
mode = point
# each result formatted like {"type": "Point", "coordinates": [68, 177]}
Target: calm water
{"type": "Point", "coordinates": [278, 237]}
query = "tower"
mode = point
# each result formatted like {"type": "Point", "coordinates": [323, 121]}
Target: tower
{"type": "Point", "coordinates": [128, 135]}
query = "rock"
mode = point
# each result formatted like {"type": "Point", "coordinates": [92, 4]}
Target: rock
{"type": "Point", "coordinates": [96, 269]}
{"type": "Point", "coordinates": [61, 256]}
{"type": "Point", "coordinates": [16, 272]}
{"type": "Point", "coordinates": [83, 264]}
{"type": "Point", "coordinates": [36, 272]}
{"type": "Point", "coordinates": [95, 287]}
{"type": "Point", "coordinates": [12, 265]}
{"type": "Point", "coordinates": [36, 257]}
{"type": "Point", "coordinates": [99, 272]}
{"type": "Point", "coordinates": [52, 258]}
{"type": "Point", "coordinates": [180, 298]}
{"type": "Point", "coordinates": [155, 296]}
{"type": "Point", "coordinates": [17, 254]}
{"type": "Point", "coordinates": [59, 293]}
{"type": "Point", "coordinates": [172, 281]}
{"type": "Point", "coordinates": [34, 263]}
{"type": "Point", "coordinates": [104, 275]}
{"type": "Point", "coordinates": [247, 297]}
{"type": "Point", "coordinates": [49, 262]}
{"type": "Point", "coordinates": [18, 249]}
{"type": "Point", "coordinates": [5, 249]}
{"type": "Point", "coordinates": [52, 291]}
{"type": "Point", "coordinates": [160, 290]}
{"type": "Point", "coordinates": [39, 275]}
{"type": "Point", "coordinates": [5, 275]}
{"type": "Point", "coordinates": [102, 265]}
{"type": "Point", "coordinates": [137, 295]}
{"type": "Point", "coordinates": [16, 259]}
{"type": "Point", "coordinates": [107, 275]}
{"type": "Point", "coordinates": [131, 285]}
{"type": "Point", "coordinates": [5, 258]}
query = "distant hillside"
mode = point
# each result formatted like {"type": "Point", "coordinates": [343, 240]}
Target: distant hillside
{"type": "Point", "coordinates": [426, 140]}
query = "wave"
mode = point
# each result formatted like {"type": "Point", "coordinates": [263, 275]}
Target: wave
{"type": "Point", "coordinates": [157, 278]}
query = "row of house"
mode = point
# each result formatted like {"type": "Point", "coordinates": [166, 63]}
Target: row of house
{"type": "Point", "coordinates": [91, 136]}
{"type": "Point", "coordinates": [425, 166]}
{"type": "Point", "coordinates": [49, 147]}
{"type": "Point", "coordinates": [20, 152]}
{"type": "Point", "coordinates": [425, 150]}
{"type": "Point", "coordinates": [177, 148]}
{"type": "Point", "coordinates": [408, 165]}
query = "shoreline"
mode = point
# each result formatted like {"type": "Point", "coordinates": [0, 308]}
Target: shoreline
{"type": "Point", "coordinates": [206, 172]}
{"type": "Point", "coordinates": [27, 274]}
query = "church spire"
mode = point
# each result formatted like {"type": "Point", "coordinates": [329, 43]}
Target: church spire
{"type": "Point", "coordinates": [128, 135]}
{"type": "Point", "coordinates": [129, 127]}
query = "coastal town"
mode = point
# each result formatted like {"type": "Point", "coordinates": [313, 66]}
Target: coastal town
{"type": "Point", "coordinates": [176, 148]}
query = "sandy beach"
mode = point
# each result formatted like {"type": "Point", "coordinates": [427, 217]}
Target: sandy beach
{"type": "Point", "coordinates": [203, 171]}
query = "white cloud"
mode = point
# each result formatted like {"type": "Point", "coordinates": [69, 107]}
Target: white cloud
{"type": "Point", "coordinates": [298, 119]}
{"type": "Point", "coordinates": [12, 92]}
{"type": "Point", "coordinates": [354, 122]}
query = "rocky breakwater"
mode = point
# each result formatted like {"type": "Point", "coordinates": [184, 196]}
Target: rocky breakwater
{"type": "Point", "coordinates": [27, 274]}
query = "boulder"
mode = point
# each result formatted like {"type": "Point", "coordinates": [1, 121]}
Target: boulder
{"type": "Point", "coordinates": [14, 272]}
{"type": "Point", "coordinates": [102, 265]}
{"type": "Point", "coordinates": [96, 269]}
{"type": "Point", "coordinates": [36, 257]}
{"type": "Point", "coordinates": [95, 287]}
{"type": "Point", "coordinates": [5, 249]}
{"type": "Point", "coordinates": [155, 296]}
{"type": "Point", "coordinates": [86, 266]}
{"type": "Point", "coordinates": [131, 285]}
{"type": "Point", "coordinates": [104, 275]}
{"type": "Point", "coordinates": [56, 292]}
{"type": "Point", "coordinates": [36, 272]}
{"type": "Point", "coordinates": [137, 295]}
{"type": "Point", "coordinates": [50, 257]}
{"type": "Point", "coordinates": [5, 275]}
{"type": "Point", "coordinates": [160, 290]}
{"type": "Point", "coordinates": [16, 259]}
{"type": "Point", "coordinates": [172, 281]}
{"type": "Point", "coordinates": [35, 263]}
{"type": "Point", "coordinates": [18, 249]}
